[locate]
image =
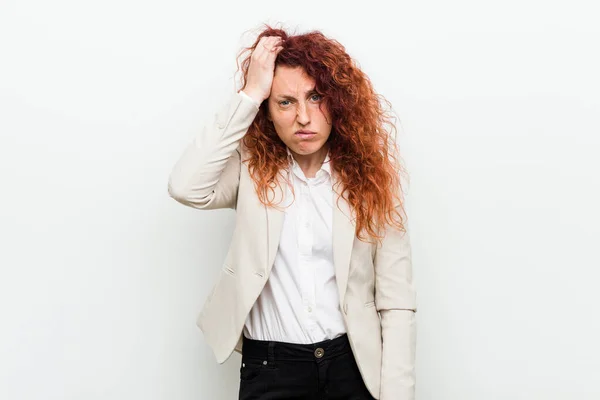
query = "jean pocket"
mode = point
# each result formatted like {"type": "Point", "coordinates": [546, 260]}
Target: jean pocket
{"type": "Point", "coordinates": [251, 368]}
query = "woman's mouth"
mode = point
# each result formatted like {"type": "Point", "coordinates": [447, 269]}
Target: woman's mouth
{"type": "Point", "coordinates": [305, 134]}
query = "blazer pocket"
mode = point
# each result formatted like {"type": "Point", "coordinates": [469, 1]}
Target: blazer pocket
{"type": "Point", "coordinates": [370, 304]}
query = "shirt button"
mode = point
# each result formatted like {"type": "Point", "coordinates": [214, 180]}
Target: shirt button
{"type": "Point", "coordinates": [309, 309]}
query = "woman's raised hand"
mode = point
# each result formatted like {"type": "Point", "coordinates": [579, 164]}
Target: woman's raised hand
{"type": "Point", "coordinates": [262, 68]}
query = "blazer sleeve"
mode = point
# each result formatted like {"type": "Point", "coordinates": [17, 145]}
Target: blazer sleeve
{"type": "Point", "coordinates": [207, 175]}
{"type": "Point", "coordinates": [395, 299]}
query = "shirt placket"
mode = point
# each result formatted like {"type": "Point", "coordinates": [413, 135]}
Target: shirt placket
{"type": "Point", "coordinates": [305, 242]}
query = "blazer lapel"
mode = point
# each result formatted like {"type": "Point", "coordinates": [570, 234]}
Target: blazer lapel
{"type": "Point", "coordinates": [344, 226]}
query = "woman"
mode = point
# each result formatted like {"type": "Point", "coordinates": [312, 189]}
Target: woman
{"type": "Point", "coordinates": [316, 290]}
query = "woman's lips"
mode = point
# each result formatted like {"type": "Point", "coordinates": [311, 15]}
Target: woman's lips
{"type": "Point", "coordinates": [303, 135]}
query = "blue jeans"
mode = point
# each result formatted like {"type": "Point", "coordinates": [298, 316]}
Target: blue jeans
{"type": "Point", "coordinates": [284, 371]}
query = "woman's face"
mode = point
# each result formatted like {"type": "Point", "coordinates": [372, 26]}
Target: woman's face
{"type": "Point", "coordinates": [293, 106]}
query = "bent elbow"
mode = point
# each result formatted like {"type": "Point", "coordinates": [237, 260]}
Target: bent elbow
{"type": "Point", "coordinates": [181, 193]}
{"type": "Point", "coordinates": [189, 197]}
{"type": "Point", "coordinates": [177, 191]}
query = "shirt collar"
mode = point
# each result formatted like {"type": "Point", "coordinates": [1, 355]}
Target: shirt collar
{"type": "Point", "coordinates": [325, 166]}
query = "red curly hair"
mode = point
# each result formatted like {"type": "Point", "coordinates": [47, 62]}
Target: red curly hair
{"type": "Point", "coordinates": [362, 151]}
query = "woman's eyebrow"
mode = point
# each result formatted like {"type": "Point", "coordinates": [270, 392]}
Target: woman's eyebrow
{"type": "Point", "coordinates": [290, 97]}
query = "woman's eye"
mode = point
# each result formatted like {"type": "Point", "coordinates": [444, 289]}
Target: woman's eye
{"type": "Point", "coordinates": [287, 102]}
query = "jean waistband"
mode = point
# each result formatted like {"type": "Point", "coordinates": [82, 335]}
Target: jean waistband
{"type": "Point", "coordinates": [273, 350]}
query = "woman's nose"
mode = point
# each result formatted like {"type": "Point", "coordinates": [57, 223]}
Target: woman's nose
{"type": "Point", "coordinates": [302, 114]}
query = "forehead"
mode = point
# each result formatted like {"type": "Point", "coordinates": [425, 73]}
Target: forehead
{"type": "Point", "coordinates": [288, 80]}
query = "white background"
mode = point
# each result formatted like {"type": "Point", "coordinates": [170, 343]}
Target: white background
{"type": "Point", "coordinates": [102, 274]}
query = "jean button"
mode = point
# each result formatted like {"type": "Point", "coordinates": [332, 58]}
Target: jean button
{"type": "Point", "coordinates": [319, 352]}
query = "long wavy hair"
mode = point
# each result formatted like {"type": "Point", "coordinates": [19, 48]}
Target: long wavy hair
{"type": "Point", "coordinates": [363, 152]}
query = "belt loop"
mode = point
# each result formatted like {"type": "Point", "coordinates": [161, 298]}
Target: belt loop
{"type": "Point", "coordinates": [271, 352]}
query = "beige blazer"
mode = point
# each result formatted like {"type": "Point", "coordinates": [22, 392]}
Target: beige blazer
{"type": "Point", "coordinates": [375, 285]}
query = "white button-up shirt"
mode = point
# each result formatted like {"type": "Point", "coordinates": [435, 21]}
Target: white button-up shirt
{"type": "Point", "coordinates": [300, 302]}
